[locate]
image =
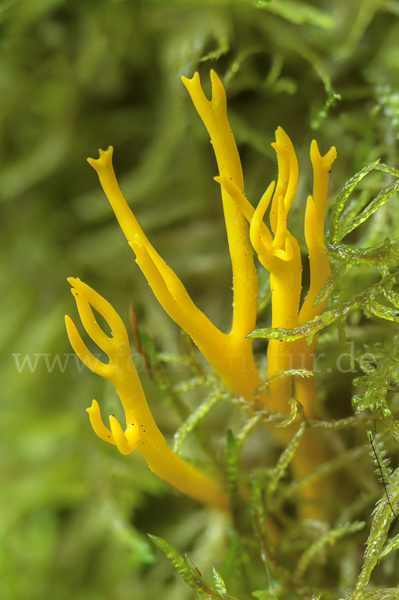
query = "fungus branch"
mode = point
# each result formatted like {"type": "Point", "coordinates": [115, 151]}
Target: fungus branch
{"type": "Point", "coordinates": [141, 430]}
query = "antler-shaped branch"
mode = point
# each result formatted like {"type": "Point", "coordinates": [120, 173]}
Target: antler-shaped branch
{"type": "Point", "coordinates": [141, 431]}
{"type": "Point", "coordinates": [230, 355]}
{"type": "Point", "coordinates": [319, 269]}
{"type": "Point", "coordinates": [314, 231]}
{"type": "Point", "coordinates": [280, 255]}
{"type": "Point", "coordinates": [245, 281]}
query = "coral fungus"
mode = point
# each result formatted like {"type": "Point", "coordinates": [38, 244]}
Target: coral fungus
{"type": "Point", "coordinates": [229, 354]}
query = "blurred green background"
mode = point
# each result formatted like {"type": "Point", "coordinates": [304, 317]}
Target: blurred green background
{"type": "Point", "coordinates": [80, 75]}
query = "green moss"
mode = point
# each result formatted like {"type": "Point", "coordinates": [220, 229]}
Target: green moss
{"type": "Point", "coordinates": [75, 76]}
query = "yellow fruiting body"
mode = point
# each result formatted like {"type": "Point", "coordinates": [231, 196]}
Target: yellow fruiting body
{"type": "Point", "coordinates": [281, 256]}
{"type": "Point", "coordinates": [319, 270]}
{"type": "Point", "coordinates": [229, 354]}
{"type": "Point", "coordinates": [141, 430]}
{"type": "Point", "coordinates": [245, 281]}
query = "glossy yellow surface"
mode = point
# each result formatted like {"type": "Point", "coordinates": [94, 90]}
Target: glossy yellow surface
{"type": "Point", "coordinates": [229, 354]}
{"type": "Point", "coordinates": [141, 430]}
{"type": "Point", "coordinates": [280, 254]}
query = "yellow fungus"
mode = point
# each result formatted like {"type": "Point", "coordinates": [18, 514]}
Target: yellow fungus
{"type": "Point", "coordinates": [141, 431]}
{"type": "Point", "coordinates": [229, 354]}
{"type": "Point", "coordinates": [281, 256]}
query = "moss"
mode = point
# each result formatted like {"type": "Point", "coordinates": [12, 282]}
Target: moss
{"type": "Point", "coordinates": [77, 76]}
